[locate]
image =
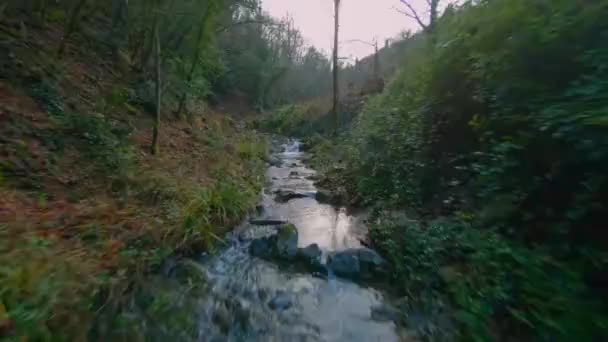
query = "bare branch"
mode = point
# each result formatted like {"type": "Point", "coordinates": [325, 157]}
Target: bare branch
{"type": "Point", "coordinates": [244, 22]}
{"type": "Point", "coordinates": [412, 13]}
{"type": "Point", "coordinates": [409, 15]}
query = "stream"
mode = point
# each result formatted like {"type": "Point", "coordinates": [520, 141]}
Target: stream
{"type": "Point", "coordinates": [250, 299]}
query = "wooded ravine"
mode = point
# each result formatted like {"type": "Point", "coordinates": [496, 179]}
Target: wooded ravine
{"type": "Point", "coordinates": [197, 170]}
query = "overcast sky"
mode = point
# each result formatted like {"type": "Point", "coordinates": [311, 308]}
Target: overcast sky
{"type": "Point", "coordinates": [360, 19]}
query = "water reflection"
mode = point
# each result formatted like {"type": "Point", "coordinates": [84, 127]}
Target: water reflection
{"type": "Point", "coordinates": [271, 302]}
{"type": "Point", "coordinates": [331, 228]}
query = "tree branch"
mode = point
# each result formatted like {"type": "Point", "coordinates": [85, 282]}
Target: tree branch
{"type": "Point", "coordinates": [412, 14]}
{"type": "Point", "coordinates": [244, 22]}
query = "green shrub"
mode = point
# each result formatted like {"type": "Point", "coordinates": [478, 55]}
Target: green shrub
{"type": "Point", "coordinates": [496, 286]}
{"type": "Point", "coordinates": [102, 140]}
{"type": "Point", "coordinates": [501, 116]}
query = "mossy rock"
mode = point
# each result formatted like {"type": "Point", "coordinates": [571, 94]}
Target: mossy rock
{"type": "Point", "coordinates": [287, 241]}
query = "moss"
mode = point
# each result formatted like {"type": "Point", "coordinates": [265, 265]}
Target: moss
{"type": "Point", "coordinates": [286, 231]}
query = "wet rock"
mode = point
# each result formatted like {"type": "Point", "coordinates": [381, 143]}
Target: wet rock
{"type": "Point", "coordinates": [313, 178]}
{"type": "Point", "coordinates": [356, 263]}
{"type": "Point", "coordinates": [262, 247]}
{"type": "Point", "coordinates": [311, 256]}
{"type": "Point", "coordinates": [283, 196]}
{"type": "Point", "coordinates": [221, 318]}
{"type": "Point", "coordinates": [384, 313]}
{"type": "Point", "coordinates": [287, 241]}
{"type": "Point", "coordinates": [242, 313]}
{"type": "Point", "coordinates": [262, 294]}
{"type": "Point", "coordinates": [281, 302]}
{"type": "Point", "coordinates": [282, 244]}
{"type": "Point", "coordinates": [370, 261]}
{"type": "Point", "coordinates": [273, 161]}
{"type": "Point", "coordinates": [267, 222]}
{"type": "Point", "coordinates": [259, 209]}
{"type": "Point", "coordinates": [311, 252]}
{"type": "Point", "coordinates": [323, 195]}
{"type": "Point", "coordinates": [344, 263]}
{"type": "Point", "coordinates": [326, 196]}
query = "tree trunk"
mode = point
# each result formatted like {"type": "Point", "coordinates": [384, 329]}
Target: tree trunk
{"type": "Point", "coordinates": [119, 29]}
{"type": "Point", "coordinates": [197, 55]}
{"type": "Point", "coordinates": [157, 62]}
{"type": "Point", "coordinates": [148, 45]}
{"type": "Point", "coordinates": [434, 10]}
{"type": "Point", "coordinates": [376, 62]}
{"type": "Point", "coordinates": [336, 95]}
{"type": "Point", "coordinates": [71, 26]}
{"type": "Point", "coordinates": [184, 98]}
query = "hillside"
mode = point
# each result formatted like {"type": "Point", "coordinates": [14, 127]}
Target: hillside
{"type": "Point", "coordinates": [85, 210]}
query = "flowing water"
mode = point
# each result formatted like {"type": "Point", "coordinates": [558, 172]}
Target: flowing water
{"type": "Point", "coordinates": [249, 299]}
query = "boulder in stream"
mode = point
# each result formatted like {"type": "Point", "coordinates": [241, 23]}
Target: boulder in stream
{"type": "Point", "coordinates": [281, 302]}
{"type": "Point", "coordinates": [311, 257]}
{"type": "Point", "coordinates": [283, 196]}
{"type": "Point", "coordinates": [273, 161]}
{"type": "Point", "coordinates": [323, 196]}
{"type": "Point", "coordinates": [356, 263]}
{"type": "Point", "coordinates": [326, 196]}
{"type": "Point", "coordinates": [263, 247]}
{"type": "Point", "coordinates": [222, 318]}
{"type": "Point", "coordinates": [344, 263]}
{"type": "Point", "coordinates": [287, 241]}
{"type": "Point", "coordinates": [282, 244]}
{"type": "Point", "coordinates": [313, 177]}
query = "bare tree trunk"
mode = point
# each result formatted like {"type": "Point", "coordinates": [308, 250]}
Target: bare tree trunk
{"type": "Point", "coordinates": [147, 48]}
{"type": "Point", "coordinates": [184, 98]}
{"type": "Point", "coordinates": [195, 60]}
{"type": "Point", "coordinates": [434, 10]}
{"type": "Point", "coordinates": [376, 61]}
{"type": "Point", "coordinates": [71, 26]}
{"type": "Point", "coordinates": [157, 59]}
{"type": "Point", "coordinates": [336, 94]}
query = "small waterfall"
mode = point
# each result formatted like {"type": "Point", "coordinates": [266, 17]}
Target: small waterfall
{"type": "Point", "coordinates": [292, 147]}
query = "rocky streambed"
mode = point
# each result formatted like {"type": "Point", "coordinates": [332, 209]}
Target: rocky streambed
{"type": "Point", "coordinates": [294, 272]}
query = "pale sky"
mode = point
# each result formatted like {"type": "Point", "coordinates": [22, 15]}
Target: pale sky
{"type": "Point", "coordinates": [359, 19]}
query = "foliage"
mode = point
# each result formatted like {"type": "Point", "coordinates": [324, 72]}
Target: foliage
{"type": "Point", "coordinates": [35, 288]}
{"type": "Point", "coordinates": [499, 114]}
{"type": "Point", "coordinates": [301, 119]}
{"type": "Point", "coordinates": [489, 279]}
{"type": "Point", "coordinates": [86, 214]}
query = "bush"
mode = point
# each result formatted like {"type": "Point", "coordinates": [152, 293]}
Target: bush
{"type": "Point", "coordinates": [495, 286]}
{"type": "Point", "coordinates": [503, 116]}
